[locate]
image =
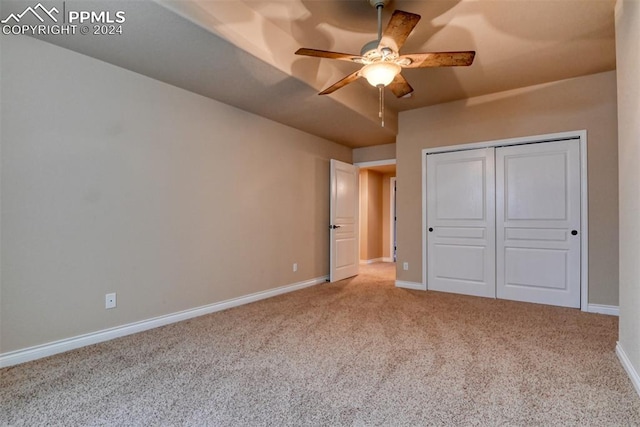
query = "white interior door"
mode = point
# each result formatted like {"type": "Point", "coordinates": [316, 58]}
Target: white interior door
{"type": "Point", "coordinates": [461, 222]}
{"type": "Point", "coordinates": [538, 223]}
{"type": "Point", "coordinates": [343, 229]}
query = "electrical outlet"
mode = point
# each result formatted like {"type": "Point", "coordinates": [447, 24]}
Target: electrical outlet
{"type": "Point", "coordinates": [110, 301]}
{"type": "Point", "coordinates": [295, 267]}
{"type": "Point", "coordinates": [405, 265]}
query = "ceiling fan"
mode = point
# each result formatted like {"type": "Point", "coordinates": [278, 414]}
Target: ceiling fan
{"type": "Point", "coordinates": [381, 60]}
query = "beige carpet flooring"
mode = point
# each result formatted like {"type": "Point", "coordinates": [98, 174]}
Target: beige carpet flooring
{"type": "Point", "coordinates": [359, 352]}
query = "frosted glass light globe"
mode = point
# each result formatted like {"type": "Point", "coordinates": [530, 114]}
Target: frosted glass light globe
{"type": "Point", "coordinates": [380, 73]}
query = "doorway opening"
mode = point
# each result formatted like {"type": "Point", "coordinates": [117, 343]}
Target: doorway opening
{"type": "Point", "coordinates": [377, 188]}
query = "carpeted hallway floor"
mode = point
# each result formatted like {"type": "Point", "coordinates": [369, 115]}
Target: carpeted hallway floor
{"type": "Point", "coordinates": [357, 352]}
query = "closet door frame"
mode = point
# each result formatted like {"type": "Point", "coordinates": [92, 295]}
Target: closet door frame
{"type": "Point", "coordinates": [581, 136]}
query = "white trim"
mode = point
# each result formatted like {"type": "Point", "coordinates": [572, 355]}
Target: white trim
{"type": "Point", "coordinates": [628, 366]}
{"type": "Point", "coordinates": [387, 259]}
{"type": "Point", "coordinates": [410, 285]}
{"type": "Point", "coordinates": [371, 261]}
{"type": "Point", "coordinates": [584, 206]}
{"type": "Point", "coordinates": [611, 310]}
{"type": "Point", "coordinates": [584, 221]}
{"type": "Point", "coordinates": [36, 352]}
{"type": "Point", "coordinates": [375, 163]}
{"type": "Point", "coordinates": [392, 215]}
{"type": "Point", "coordinates": [424, 219]}
{"type": "Point", "coordinates": [509, 141]}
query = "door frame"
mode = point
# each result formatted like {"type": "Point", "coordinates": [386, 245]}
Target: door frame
{"type": "Point", "coordinates": [581, 135]}
{"type": "Point", "coordinates": [370, 164]}
{"type": "Point", "coordinates": [392, 218]}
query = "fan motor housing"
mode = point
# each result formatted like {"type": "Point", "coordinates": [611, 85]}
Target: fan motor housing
{"type": "Point", "coordinates": [368, 47]}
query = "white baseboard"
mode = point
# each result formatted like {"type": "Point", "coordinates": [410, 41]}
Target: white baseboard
{"type": "Point", "coordinates": [411, 285]}
{"type": "Point", "coordinates": [626, 364]}
{"type": "Point", "coordinates": [387, 259]}
{"type": "Point", "coordinates": [60, 346]}
{"type": "Point", "coordinates": [611, 310]}
{"type": "Point", "coordinates": [371, 261]}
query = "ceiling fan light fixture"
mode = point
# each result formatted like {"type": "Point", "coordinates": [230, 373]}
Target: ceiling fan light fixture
{"type": "Point", "coordinates": [380, 73]}
{"type": "Point", "coordinates": [381, 59]}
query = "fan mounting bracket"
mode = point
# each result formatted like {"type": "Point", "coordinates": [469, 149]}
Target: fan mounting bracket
{"type": "Point", "coordinates": [376, 3]}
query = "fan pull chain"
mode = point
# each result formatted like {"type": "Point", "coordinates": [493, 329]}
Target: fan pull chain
{"type": "Point", "coordinates": [381, 109]}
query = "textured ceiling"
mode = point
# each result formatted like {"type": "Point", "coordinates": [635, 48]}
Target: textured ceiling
{"type": "Point", "coordinates": [241, 52]}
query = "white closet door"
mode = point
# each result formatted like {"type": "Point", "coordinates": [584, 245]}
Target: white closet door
{"type": "Point", "coordinates": [461, 222]}
{"type": "Point", "coordinates": [538, 223]}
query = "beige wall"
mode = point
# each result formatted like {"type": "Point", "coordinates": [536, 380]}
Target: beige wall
{"type": "Point", "coordinates": [374, 220]}
{"type": "Point", "coordinates": [628, 70]}
{"type": "Point", "coordinates": [374, 215]}
{"type": "Point", "coordinates": [581, 103]}
{"type": "Point", "coordinates": [114, 182]}
{"type": "Point", "coordinates": [370, 215]}
{"type": "Point", "coordinates": [374, 153]}
{"type": "Point", "coordinates": [364, 213]}
{"type": "Point", "coordinates": [386, 215]}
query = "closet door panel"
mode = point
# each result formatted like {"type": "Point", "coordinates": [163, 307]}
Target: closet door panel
{"type": "Point", "coordinates": [461, 222]}
{"type": "Point", "coordinates": [537, 223]}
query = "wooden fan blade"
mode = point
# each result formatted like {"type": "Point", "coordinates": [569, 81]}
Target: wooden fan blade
{"type": "Point", "coordinates": [328, 54]}
{"type": "Point", "coordinates": [337, 85]}
{"type": "Point", "coordinates": [399, 28]}
{"type": "Point", "coordinates": [400, 87]}
{"type": "Point", "coordinates": [438, 59]}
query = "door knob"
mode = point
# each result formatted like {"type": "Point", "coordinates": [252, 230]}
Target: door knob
{"type": "Point", "coordinates": [430, 229]}
{"type": "Point", "coordinates": [574, 232]}
{"type": "Point", "coordinates": [333, 227]}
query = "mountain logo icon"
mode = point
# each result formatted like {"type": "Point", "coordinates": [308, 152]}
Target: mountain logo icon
{"type": "Point", "coordinates": [33, 11]}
